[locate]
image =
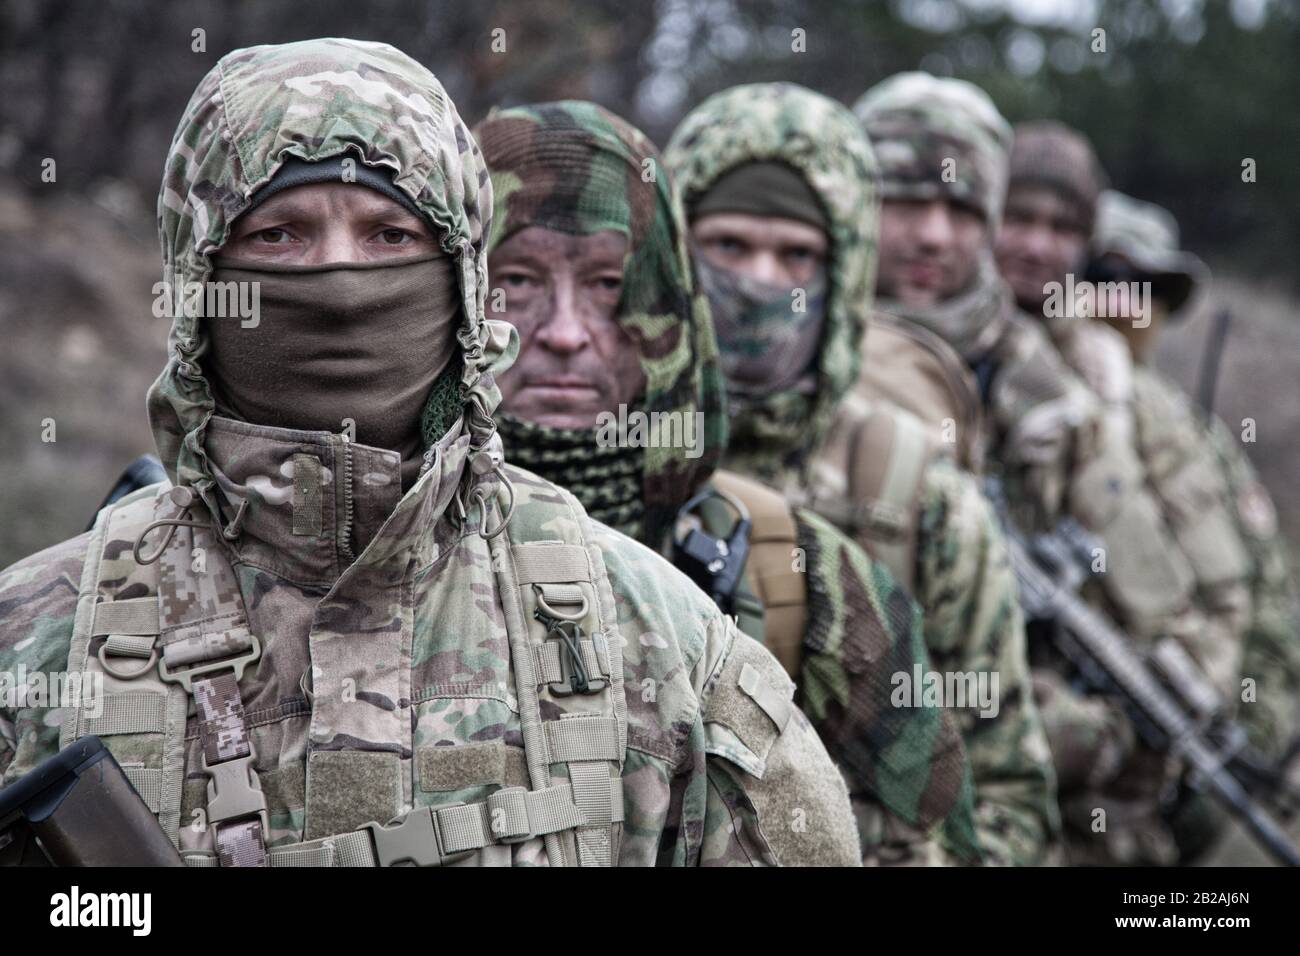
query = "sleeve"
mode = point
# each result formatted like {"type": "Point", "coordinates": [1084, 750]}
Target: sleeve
{"type": "Point", "coordinates": [38, 600]}
{"type": "Point", "coordinates": [1271, 655]}
{"type": "Point", "coordinates": [906, 766]}
{"type": "Point", "coordinates": [773, 795]}
{"type": "Point", "coordinates": [975, 634]}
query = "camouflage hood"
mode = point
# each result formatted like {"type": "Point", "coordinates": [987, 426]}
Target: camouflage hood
{"type": "Point", "coordinates": [314, 100]}
{"type": "Point", "coordinates": [577, 168]}
{"type": "Point", "coordinates": [820, 139]}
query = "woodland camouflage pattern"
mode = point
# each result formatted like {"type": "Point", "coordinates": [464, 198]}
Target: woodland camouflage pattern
{"type": "Point", "coordinates": [549, 166]}
{"type": "Point", "coordinates": [971, 618]}
{"type": "Point", "coordinates": [819, 138]}
{"type": "Point", "coordinates": [422, 710]}
{"type": "Point", "coordinates": [938, 138]}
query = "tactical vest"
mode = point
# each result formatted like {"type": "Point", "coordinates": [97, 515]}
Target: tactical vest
{"type": "Point", "coordinates": [916, 370]}
{"type": "Point", "coordinates": [168, 640]}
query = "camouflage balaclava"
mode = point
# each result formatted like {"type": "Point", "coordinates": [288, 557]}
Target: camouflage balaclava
{"type": "Point", "coordinates": [773, 436]}
{"type": "Point", "coordinates": [315, 100]}
{"type": "Point", "coordinates": [941, 138]}
{"type": "Point", "coordinates": [576, 168]}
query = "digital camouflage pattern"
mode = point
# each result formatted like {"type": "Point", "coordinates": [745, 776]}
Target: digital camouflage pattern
{"type": "Point", "coordinates": [938, 138]}
{"type": "Point", "coordinates": [387, 680]}
{"type": "Point", "coordinates": [577, 168]}
{"type": "Point", "coordinates": [818, 138]}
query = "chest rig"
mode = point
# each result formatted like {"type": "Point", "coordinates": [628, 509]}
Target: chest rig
{"type": "Point", "coordinates": [163, 621]}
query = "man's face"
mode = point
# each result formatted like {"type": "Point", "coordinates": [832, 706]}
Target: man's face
{"type": "Point", "coordinates": [562, 293]}
{"type": "Point", "coordinates": [328, 222]}
{"type": "Point", "coordinates": [1041, 240]}
{"type": "Point", "coordinates": [778, 252]}
{"type": "Point", "coordinates": [929, 250]}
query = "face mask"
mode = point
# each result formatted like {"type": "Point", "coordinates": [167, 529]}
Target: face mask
{"type": "Point", "coordinates": [361, 342]}
{"type": "Point", "coordinates": [766, 343]}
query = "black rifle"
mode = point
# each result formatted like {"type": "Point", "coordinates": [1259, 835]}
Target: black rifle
{"type": "Point", "coordinates": [78, 808]}
{"type": "Point", "coordinates": [1184, 720]}
{"type": "Point", "coordinates": [1211, 360]}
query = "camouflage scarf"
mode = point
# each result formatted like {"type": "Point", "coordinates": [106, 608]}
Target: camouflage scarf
{"type": "Point", "coordinates": [774, 437]}
{"type": "Point", "coordinates": [576, 168]}
{"type": "Point", "coordinates": [971, 321]}
{"type": "Point", "coordinates": [605, 478]}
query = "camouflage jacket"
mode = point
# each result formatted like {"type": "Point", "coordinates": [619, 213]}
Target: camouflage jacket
{"type": "Point", "coordinates": [387, 680]}
{"type": "Point", "coordinates": [1220, 486]}
{"type": "Point", "coordinates": [964, 586]}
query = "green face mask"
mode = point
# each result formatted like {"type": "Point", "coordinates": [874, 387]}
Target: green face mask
{"type": "Point", "coordinates": [768, 335]}
{"type": "Point", "coordinates": [336, 343]}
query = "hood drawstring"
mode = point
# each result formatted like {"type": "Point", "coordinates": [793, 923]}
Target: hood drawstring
{"type": "Point", "coordinates": [171, 524]}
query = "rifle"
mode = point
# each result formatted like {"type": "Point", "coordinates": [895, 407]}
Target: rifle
{"type": "Point", "coordinates": [77, 808]}
{"type": "Point", "coordinates": [1211, 359]}
{"type": "Point", "coordinates": [1173, 705]}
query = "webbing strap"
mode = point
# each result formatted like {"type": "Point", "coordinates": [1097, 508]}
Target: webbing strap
{"type": "Point", "coordinates": [509, 815]}
{"type": "Point", "coordinates": [130, 713]}
{"type": "Point", "coordinates": [148, 783]}
{"type": "Point", "coordinates": [223, 734]}
{"type": "Point", "coordinates": [122, 645]}
{"type": "Point", "coordinates": [582, 738]}
{"type": "Point", "coordinates": [551, 564]}
{"type": "Point", "coordinates": [550, 668]}
{"type": "Point", "coordinates": [593, 790]}
{"type": "Point", "coordinates": [130, 616]}
{"type": "Point", "coordinates": [207, 647]}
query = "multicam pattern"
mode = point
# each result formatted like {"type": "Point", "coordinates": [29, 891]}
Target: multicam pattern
{"type": "Point", "coordinates": [938, 138]}
{"type": "Point", "coordinates": [820, 139]}
{"type": "Point", "coordinates": [385, 651]}
{"type": "Point", "coordinates": [575, 167]}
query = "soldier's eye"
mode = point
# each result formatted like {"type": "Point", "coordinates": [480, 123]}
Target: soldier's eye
{"type": "Point", "coordinates": [394, 237]}
{"type": "Point", "coordinates": [610, 283]}
{"type": "Point", "coordinates": [799, 253]}
{"type": "Point", "coordinates": [729, 245]}
{"type": "Point", "coordinates": [273, 236]}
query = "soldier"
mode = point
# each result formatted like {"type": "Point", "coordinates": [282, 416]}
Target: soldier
{"type": "Point", "coordinates": [778, 185]}
{"type": "Point", "coordinates": [346, 609]}
{"type": "Point", "coordinates": [1052, 202]}
{"type": "Point", "coordinates": [617, 396]}
{"type": "Point", "coordinates": [1059, 448]}
{"type": "Point", "coordinates": [1137, 242]}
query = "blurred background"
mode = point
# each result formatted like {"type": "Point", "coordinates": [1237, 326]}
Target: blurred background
{"type": "Point", "coordinates": [1181, 92]}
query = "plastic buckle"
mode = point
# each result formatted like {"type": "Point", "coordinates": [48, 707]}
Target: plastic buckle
{"type": "Point", "coordinates": [234, 791]}
{"type": "Point", "coordinates": [415, 839]}
{"type": "Point", "coordinates": [186, 677]}
{"type": "Point", "coordinates": [574, 678]}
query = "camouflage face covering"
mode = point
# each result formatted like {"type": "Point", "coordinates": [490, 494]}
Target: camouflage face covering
{"type": "Point", "coordinates": [820, 139]}
{"type": "Point", "coordinates": [767, 336]}
{"type": "Point", "coordinates": [938, 138]}
{"type": "Point", "coordinates": [576, 168]}
{"type": "Point", "coordinates": [314, 100]}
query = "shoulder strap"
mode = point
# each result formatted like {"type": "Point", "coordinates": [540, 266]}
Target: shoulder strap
{"type": "Point", "coordinates": [887, 459]}
{"type": "Point", "coordinates": [566, 651]}
{"type": "Point", "coordinates": [918, 371]}
{"type": "Point", "coordinates": [190, 629]}
{"type": "Point", "coordinates": [770, 569]}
